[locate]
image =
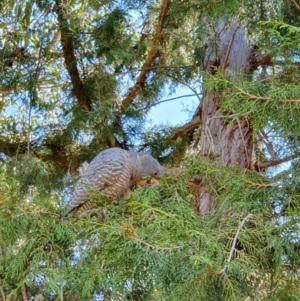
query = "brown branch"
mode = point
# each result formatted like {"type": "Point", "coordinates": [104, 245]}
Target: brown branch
{"type": "Point", "coordinates": [169, 99]}
{"type": "Point", "coordinates": [1, 287]}
{"type": "Point", "coordinates": [2, 291]}
{"type": "Point", "coordinates": [268, 144]}
{"type": "Point", "coordinates": [150, 57]}
{"type": "Point", "coordinates": [262, 165]}
{"type": "Point", "coordinates": [155, 247]}
{"type": "Point", "coordinates": [234, 242]}
{"type": "Point", "coordinates": [254, 97]}
{"type": "Point", "coordinates": [186, 128]}
{"type": "Point", "coordinates": [56, 38]}
{"type": "Point", "coordinates": [69, 56]}
{"type": "Point", "coordinates": [260, 59]}
{"type": "Point", "coordinates": [24, 293]}
{"type": "Point", "coordinates": [296, 4]}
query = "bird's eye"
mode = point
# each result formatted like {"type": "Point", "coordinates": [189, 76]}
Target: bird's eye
{"type": "Point", "coordinates": [156, 173]}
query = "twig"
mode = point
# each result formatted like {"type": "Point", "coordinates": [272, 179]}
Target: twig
{"type": "Point", "coordinates": [242, 137]}
{"type": "Point", "coordinates": [157, 248]}
{"type": "Point", "coordinates": [254, 97]}
{"type": "Point", "coordinates": [61, 292]}
{"type": "Point", "coordinates": [234, 242]}
{"type": "Point", "coordinates": [2, 291]}
{"type": "Point", "coordinates": [24, 212]}
{"type": "Point", "coordinates": [154, 68]}
{"type": "Point", "coordinates": [260, 185]}
{"type": "Point", "coordinates": [1, 287]}
{"type": "Point", "coordinates": [189, 86]}
{"type": "Point", "coordinates": [165, 100]}
{"type": "Point", "coordinates": [250, 96]}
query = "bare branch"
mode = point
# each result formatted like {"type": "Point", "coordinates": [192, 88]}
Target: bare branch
{"type": "Point", "coordinates": [260, 59]}
{"type": "Point", "coordinates": [186, 128]}
{"type": "Point", "coordinates": [1, 287]}
{"type": "Point", "coordinates": [24, 293]}
{"type": "Point", "coordinates": [262, 165]}
{"type": "Point", "coordinates": [268, 144]}
{"type": "Point", "coordinates": [151, 55]}
{"type": "Point", "coordinates": [56, 38]}
{"type": "Point", "coordinates": [296, 5]}
{"type": "Point", "coordinates": [234, 242]}
{"type": "Point", "coordinates": [166, 100]}
{"type": "Point", "coordinates": [69, 55]}
{"type": "Point", "coordinates": [155, 247]}
{"type": "Point", "coordinates": [154, 68]}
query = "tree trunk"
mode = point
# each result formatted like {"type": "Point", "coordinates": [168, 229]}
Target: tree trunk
{"type": "Point", "coordinates": [227, 139]}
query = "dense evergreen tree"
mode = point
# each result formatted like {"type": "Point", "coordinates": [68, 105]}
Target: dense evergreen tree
{"type": "Point", "coordinates": [77, 77]}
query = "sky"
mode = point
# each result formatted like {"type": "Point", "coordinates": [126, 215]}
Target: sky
{"type": "Point", "coordinates": [175, 111]}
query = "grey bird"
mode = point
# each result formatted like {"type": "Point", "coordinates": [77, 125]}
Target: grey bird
{"type": "Point", "coordinates": [112, 173]}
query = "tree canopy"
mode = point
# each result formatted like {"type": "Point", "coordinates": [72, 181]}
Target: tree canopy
{"type": "Point", "coordinates": [77, 77]}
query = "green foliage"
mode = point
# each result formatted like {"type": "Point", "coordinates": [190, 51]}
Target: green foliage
{"type": "Point", "coordinates": [150, 245]}
{"type": "Point", "coordinates": [153, 244]}
{"type": "Point", "coordinates": [111, 38]}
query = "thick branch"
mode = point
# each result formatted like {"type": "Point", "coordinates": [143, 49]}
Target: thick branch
{"type": "Point", "coordinates": [296, 5]}
{"type": "Point", "coordinates": [260, 59]}
{"type": "Point", "coordinates": [268, 144]}
{"type": "Point", "coordinates": [186, 128]}
{"type": "Point", "coordinates": [69, 56]}
{"type": "Point", "coordinates": [24, 293]}
{"type": "Point", "coordinates": [150, 57]}
{"type": "Point", "coordinates": [262, 165]}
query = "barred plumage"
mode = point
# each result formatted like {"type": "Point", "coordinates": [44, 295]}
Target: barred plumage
{"type": "Point", "coordinates": [112, 172]}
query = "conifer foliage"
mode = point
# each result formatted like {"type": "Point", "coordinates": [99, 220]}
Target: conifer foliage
{"type": "Point", "coordinates": [77, 77]}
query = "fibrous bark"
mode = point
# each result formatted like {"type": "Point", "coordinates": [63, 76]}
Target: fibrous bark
{"type": "Point", "coordinates": [224, 137]}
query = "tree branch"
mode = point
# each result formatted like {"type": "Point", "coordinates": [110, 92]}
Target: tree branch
{"type": "Point", "coordinates": [296, 5]}
{"type": "Point", "coordinates": [166, 100]}
{"type": "Point", "coordinates": [24, 293]}
{"type": "Point", "coordinates": [234, 242]}
{"type": "Point", "coordinates": [262, 165]}
{"type": "Point", "coordinates": [1, 287]}
{"type": "Point", "coordinates": [186, 128]}
{"type": "Point", "coordinates": [262, 135]}
{"type": "Point", "coordinates": [262, 98]}
{"type": "Point", "coordinates": [69, 56]}
{"type": "Point", "coordinates": [260, 59]}
{"type": "Point", "coordinates": [151, 55]}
